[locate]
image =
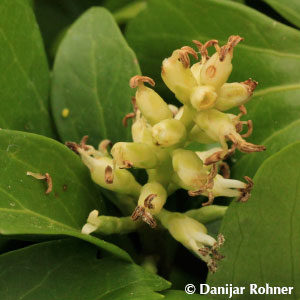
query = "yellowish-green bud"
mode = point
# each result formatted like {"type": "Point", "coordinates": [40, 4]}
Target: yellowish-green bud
{"type": "Point", "coordinates": [186, 115]}
{"type": "Point", "coordinates": [199, 135]}
{"type": "Point", "coordinates": [151, 105]}
{"type": "Point", "coordinates": [216, 70]}
{"type": "Point", "coordinates": [169, 133]}
{"type": "Point", "coordinates": [189, 171]}
{"type": "Point", "coordinates": [120, 181]}
{"type": "Point", "coordinates": [137, 155]}
{"type": "Point", "coordinates": [214, 123]}
{"type": "Point", "coordinates": [235, 94]}
{"type": "Point", "coordinates": [108, 225]}
{"type": "Point", "coordinates": [141, 131]}
{"type": "Point", "coordinates": [203, 97]}
{"type": "Point", "coordinates": [196, 69]}
{"type": "Point", "coordinates": [177, 75]}
{"type": "Point", "coordinates": [153, 197]}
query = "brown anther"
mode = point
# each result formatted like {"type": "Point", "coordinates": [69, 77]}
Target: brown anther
{"type": "Point", "coordinates": [214, 158]}
{"type": "Point", "coordinates": [244, 146]}
{"type": "Point", "coordinates": [249, 123]}
{"type": "Point", "coordinates": [208, 186]}
{"type": "Point", "coordinates": [251, 85]}
{"type": "Point", "coordinates": [243, 110]}
{"type": "Point", "coordinates": [83, 143]}
{"type": "Point", "coordinates": [220, 155]}
{"type": "Point", "coordinates": [126, 164]}
{"type": "Point", "coordinates": [239, 127]}
{"type": "Point", "coordinates": [148, 218]}
{"type": "Point", "coordinates": [204, 251]}
{"type": "Point", "coordinates": [104, 145]}
{"type": "Point", "coordinates": [203, 48]}
{"type": "Point", "coordinates": [190, 50]}
{"type": "Point", "coordinates": [134, 105]}
{"type": "Point", "coordinates": [138, 79]}
{"type": "Point", "coordinates": [140, 212]}
{"type": "Point", "coordinates": [108, 175]}
{"type": "Point", "coordinates": [73, 146]}
{"type": "Point", "coordinates": [128, 116]}
{"type": "Point", "coordinates": [232, 42]}
{"type": "Point", "coordinates": [45, 177]}
{"type": "Point", "coordinates": [148, 201]}
{"type": "Point", "coordinates": [211, 71]}
{"type": "Point", "coordinates": [246, 192]}
{"type": "Point", "coordinates": [210, 199]}
{"type": "Point", "coordinates": [137, 213]}
{"type": "Point", "coordinates": [212, 266]}
{"type": "Point", "coordinates": [196, 193]}
{"type": "Point", "coordinates": [225, 170]}
{"type": "Point", "coordinates": [210, 178]}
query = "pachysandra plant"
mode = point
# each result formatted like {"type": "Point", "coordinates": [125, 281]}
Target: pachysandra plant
{"type": "Point", "coordinates": [160, 133]}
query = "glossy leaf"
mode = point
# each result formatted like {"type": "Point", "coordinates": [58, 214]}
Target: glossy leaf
{"type": "Point", "coordinates": [64, 12]}
{"type": "Point", "coordinates": [91, 79]}
{"type": "Point", "coordinates": [24, 206]}
{"type": "Point", "coordinates": [269, 53]}
{"type": "Point", "coordinates": [69, 269]}
{"type": "Point", "coordinates": [24, 80]}
{"type": "Point", "coordinates": [248, 164]}
{"type": "Point", "coordinates": [262, 236]}
{"type": "Point", "coordinates": [288, 9]}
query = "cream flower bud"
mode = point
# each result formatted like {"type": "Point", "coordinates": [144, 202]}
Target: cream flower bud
{"type": "Point", "coordinates": [221, 127]}
{"type": "Point", "coordinates": [216, 69]}
{"type": "Point", "coordinates": [141, 131]}
{"type": "Point", "coordinates": [108, 224]}
{"type": "Point", "coordinates": [235, 94]}
{"type": "Point", "coordinates": [199, 135]}
{"type": "Point", "coordinates": [230, 188]}
{"type": "Point", "coordinates": [189, 171]}
{"type": "Point", "coordinates": [196, 69]}
{"type": "Point", "coordinates": [186, 115]}
{"type": "Point", "coordinates": [151, 105]}
{"type": "Point", "coordinates": [156, 202]}
{"type": "Point", "coordinates": [203, 97]}
{"type": "Point", "coordinates": [138, 155]}
{"type": "Point", "coordinates": [169, 133]}
{"type": "Point", "coordinates": [152, 198]}
{"type": "Point", "coordinates": [177, 75]}
{"type": "Point", "coordinates": [102, 173]}
{"type": "Point", "coordinates": [193, 235]}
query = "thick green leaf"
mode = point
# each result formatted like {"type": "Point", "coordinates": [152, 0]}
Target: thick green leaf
{"type": "Point", "coordinates": [24, 206]}
{"type": "Point", "coordinates": [269, 54]}
{"type": "Point", "coordinates": [289, 9]}
{"type": "Point", "coordinates": [69, 269]}
{"type": "Point", "coordinates": [91, 78]}
{"type": "Point", "coordinates": [263, 235]}
{"type": "Point", "coordinates": [24, 80]}
{"type": "Point", "coordinates": [248, 164]}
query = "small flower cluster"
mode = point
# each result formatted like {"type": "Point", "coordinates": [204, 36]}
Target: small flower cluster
{"type": "Point", "coordinates": [160, 134]}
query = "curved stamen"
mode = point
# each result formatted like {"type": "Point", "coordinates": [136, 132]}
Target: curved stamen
{"type": "Point", "coordinates": [108, 175]}
{"type": "Point", "coordinates": [232, 42]}
{"type": "Point", "coordinates": [138, 79]}
{"type": "Point", "coordinates": [127, 116]}
{"type": "Point", "coordinates": [246, 192]}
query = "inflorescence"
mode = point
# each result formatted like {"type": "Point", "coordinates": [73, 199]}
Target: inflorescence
{"type": "Point", "coordinates": [160, 134]}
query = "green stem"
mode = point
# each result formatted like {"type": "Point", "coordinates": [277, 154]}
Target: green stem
{"type": "Point", "coordinates": [129, 11]}
{"type": "Point", "coordinates": [207, 213]}
{"type": "Point", "coordinates": [114, 225]}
